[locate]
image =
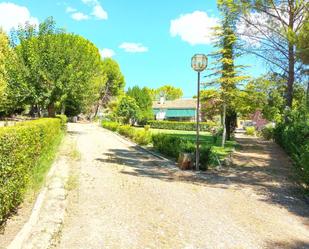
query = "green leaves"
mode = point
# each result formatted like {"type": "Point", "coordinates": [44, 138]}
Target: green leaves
{"type": "Point", "coordinates": [20, 148]}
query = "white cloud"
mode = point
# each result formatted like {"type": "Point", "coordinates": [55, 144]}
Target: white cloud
{"type": "Point", "coordinates": [107, 53]}
{"type": "Point", "coordinates": [70, 10]}
{"type": "Point", "coordinates": [99, 12]}
{"type": "Point", "coordinates": [12, 15]}
{"type": "Point", "coordinates": [79, 16]}
{"type": "Point", "coordinates": [97, 9]}
{"type": "Point", "coordinates": [131, 47]}
{"type": "Point", "coordinates": [194, 28]}
{"type": "Point", "coordinates": [93, 2]}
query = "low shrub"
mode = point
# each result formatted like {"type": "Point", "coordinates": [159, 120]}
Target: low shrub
{"type": "Point", "coordinates": [267, 132]}
{"type": "Point", "coordinates": [113, 126]}
{"type": "Point", "coordinates": [185, 126]}
{"type": "Point", "coordinates": [126, 130]}
{"type": "Point", "coordinates": [141, 137]}
{"type": "Point", "coordinates": [21, 147]}
{"type": "Point", "coordinates": [166, 144]}
{"type": "Point", "coordinates": [64, 120]}
{"type": "Point", "coordinates": [172, 146]}
{"type": "Point", "coordinates": [250, 130]}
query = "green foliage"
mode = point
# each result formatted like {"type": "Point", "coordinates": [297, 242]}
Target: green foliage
{"type": "Point", "coordinates": [169, 92]}
{"type": "Point", "coordinates": [211, 104]}
{"type": "Point", "coordinates": [250, 130]}
{"type": "Point", "coordinates": [113, 126]}
{"type": "Point", "coordinates": [144, 102]}
{"type": "Point", "coordinates": [64, 120]}
{"type": "Point", "coordinates": [293, 136]}
{"type": "Point", "coordinates": [114, 79]}
{"type": "Point", "coordinates": [185, 126]}
{"type": "Point", "coordinates": [58, 69]}
{"type": "Point", "coordinates": [21, 147]}
{"type": "Point", "coordinates": [172, 146]}
{"type": "Point", "coordinates": [127, 109]}
{"type": "Point", "coordinates": [268, 132]}
{"type": "Point", "coordinates": [302, 42]}
{"type": "Point", "coordinates": [141, 137]}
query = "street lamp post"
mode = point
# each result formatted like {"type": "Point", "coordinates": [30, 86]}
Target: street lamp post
{"type": "Point", "coordinates": [199, 64]}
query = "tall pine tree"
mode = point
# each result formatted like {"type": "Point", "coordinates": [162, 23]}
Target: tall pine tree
{"type": "Point", "coordinates": [227, 72]}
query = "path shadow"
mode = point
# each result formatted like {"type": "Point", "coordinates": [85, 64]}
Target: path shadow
{"type": "Point", "coordinates": [266, 175]}
{"type": "Point", "coordinates": [288, 245]}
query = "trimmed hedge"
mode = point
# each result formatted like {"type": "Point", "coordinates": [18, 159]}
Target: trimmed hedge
{"type": "Point", "coordinates": [185, 126]}
{"type": "Point", "coordinates": [141, 137]}
{"type": "Point", "coordinates": [294, 139]}
{"type": "Point", "coordinates": [20, 149]}
{"type": "Point", "coordinates": [166, 144]}
{"type": "Point", "coordinates": [172, 146]}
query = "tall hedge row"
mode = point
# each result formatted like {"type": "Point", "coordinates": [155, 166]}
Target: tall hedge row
{"type": "Point", "coordinates": [294, 139]}
{"type": "Point", "coordinates": [185, 126]}
{"type": "Point", "coordinates": [20, 148]}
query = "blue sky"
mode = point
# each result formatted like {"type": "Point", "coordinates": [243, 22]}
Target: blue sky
{"type": "Point", "coordinates": [153, 41]}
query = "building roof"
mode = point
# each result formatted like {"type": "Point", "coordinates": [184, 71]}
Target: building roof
{"type": "Point", "coordinates": [175, 104]}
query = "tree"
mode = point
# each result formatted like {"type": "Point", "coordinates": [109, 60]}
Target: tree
{"type": "Point", "coordinates": [59, 66]}
{"type": "Point", "coordinates": [266, 94]}
{"type": "Point", "coordinates": [127, 109]}
{"type": "Point", "coordinates": [144, 102]}
{"type": "Point", "coordinates": [270, 28]}
{"type": "Point", "coordinates": [302, 42]}
{"type": "Point", "coordinates": [227, 71]}
{"type": "Point", "coordinates": [211, 104]}
{"type": "Point", "coordinates": [113, 83]}
{"type": "Point", "coordinates": [4, 54]}
{"type": "Point", "coordinates": [12, 88]}
{"type": "Point", "coordinates": [168, 92]}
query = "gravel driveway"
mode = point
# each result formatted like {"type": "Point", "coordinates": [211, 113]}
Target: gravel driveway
{"type": "Point", "coordinates": [126, 198]}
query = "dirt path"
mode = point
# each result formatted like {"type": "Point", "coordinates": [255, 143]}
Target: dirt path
{"type": "Point", "coordinates": [125, 199]}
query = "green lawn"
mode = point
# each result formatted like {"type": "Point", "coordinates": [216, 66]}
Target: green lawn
{"type": "Point", "coordinates": [205, 138]}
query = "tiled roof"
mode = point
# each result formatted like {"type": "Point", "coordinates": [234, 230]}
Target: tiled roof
{"type": "Point", "coordinates": [175, 104]}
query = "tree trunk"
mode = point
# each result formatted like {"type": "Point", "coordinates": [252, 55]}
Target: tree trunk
{"type": "Point", "coordinates": [307, 97]}
{"type": "Point", "coordinates": [291, 56]}
{"type": "Point", "coordinates": [291, 78]}
{"type": "Point", "coordinates": [51, 110]}
{"type": "Point", "coordinates": [63, 109]}
{"type": "Point", "coordinates": [231, 123]}
{"type": "Point", "coordinates": [224, 125]}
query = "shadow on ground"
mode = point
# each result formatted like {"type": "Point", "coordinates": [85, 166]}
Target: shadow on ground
{"type": "Point", "coordinates": [268, 174]}
{"type": "Point", "coordinates": [288, 245]}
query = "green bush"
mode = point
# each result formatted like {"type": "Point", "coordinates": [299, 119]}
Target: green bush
{"type": "Point", "coordinates": [267, 132]}
{"type": "Point", "coordinates": [167, 144]}
{"type": "Point", "coordinates": [250, 130]}
{"type": "Point", "coordinates": [126, 130]}
{"type": "Point", "coordinates": [64, 120]}
{"type": "Point", "coordinates": [21, 147]}
{"type": "Point", "coordinates": [185, 126]}
{"type": "Point", "coordinates": [172, 146]}
{"type": "Point", "coordinates": [293, 137]}
{"type": "Point", "coordinates": [141, 137]}
{"type": "Point", "coordinates": [113, 126]}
